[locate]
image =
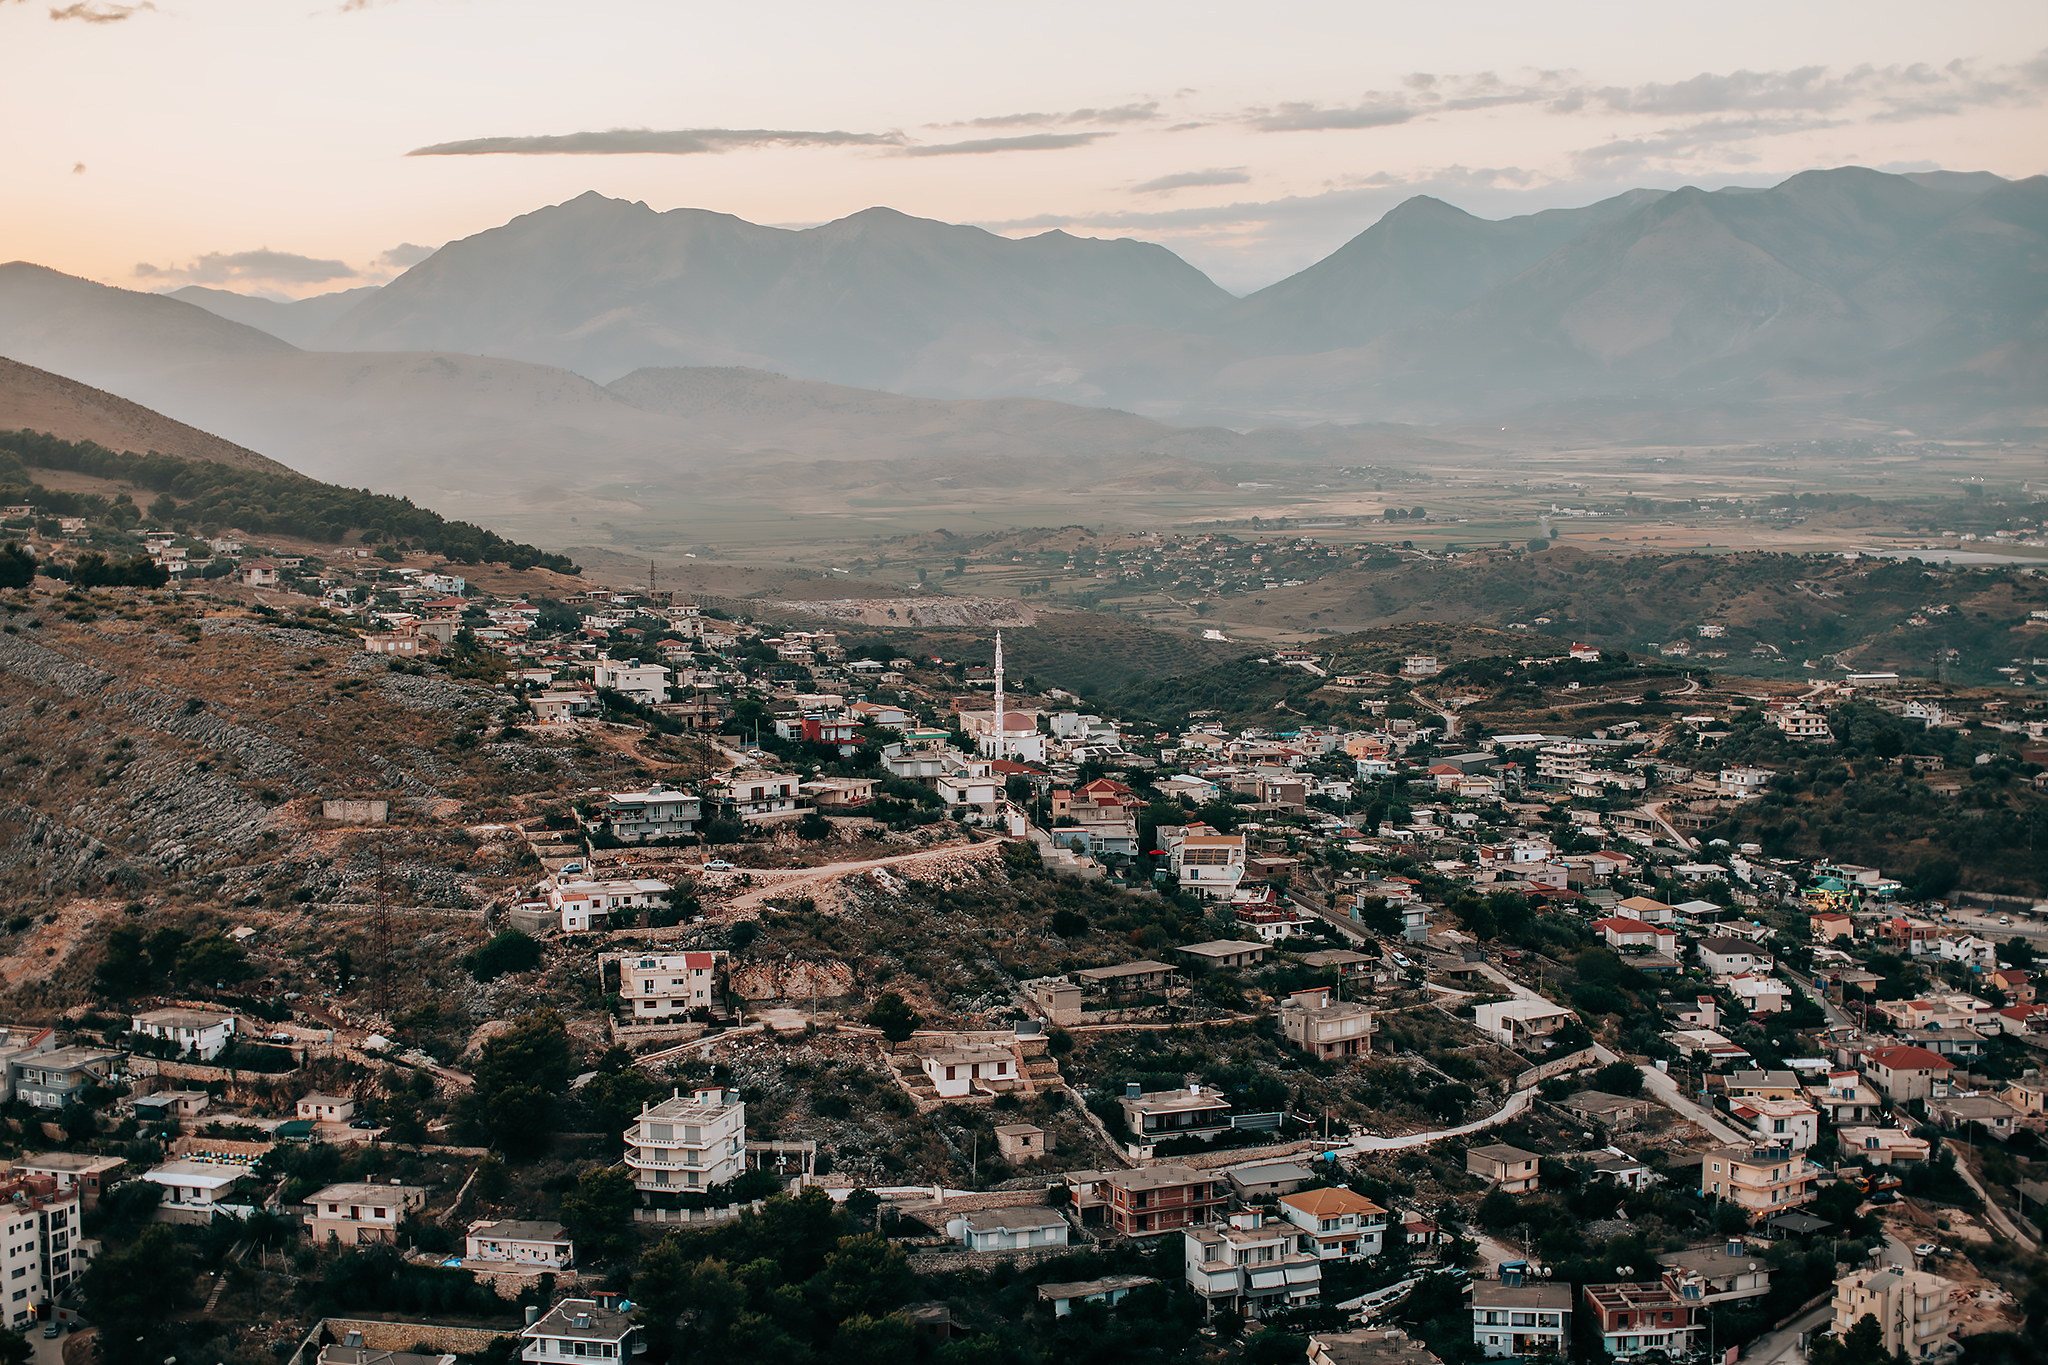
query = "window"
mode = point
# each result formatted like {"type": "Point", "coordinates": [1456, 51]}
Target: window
{"type": "Point", "coordinates": [1522, 1320]}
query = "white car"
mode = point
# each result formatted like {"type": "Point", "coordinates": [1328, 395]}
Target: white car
{"type": "Point", "coordinates": [1925, 1249]}
{"type": "Point", "coordinates": [717, 865]}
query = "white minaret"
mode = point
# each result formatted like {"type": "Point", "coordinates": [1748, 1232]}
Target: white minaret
{"type": "Point", "coordinates": [998, 732]}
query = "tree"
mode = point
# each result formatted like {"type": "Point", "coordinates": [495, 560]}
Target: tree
{"type": "Point", "coordinates": [1618, 1078]}
{"type": "Point", "coordinates": [509, 951]}
{"type": "Point", "coordinates": [599, 1214]}
{"type": "Point", "coordinates": [813, 827]}
{"type": "Point", "coordinates": [517, 1078]}
{"type": "Point", "coordinates": [15, 1350]}
{"type": "Point", "coordinates": [17, 567]}
{"type": "Point", "coordinates": [213, 958]}
{"type": "Point", "coordinates": [894, 1017]}
{"type": "Point", "coordinates": [867, 1273]}
{"type": "Point", "coordinates": [1448, 1102]}
{"type": "Point", "coordinates": [865, 1340]}
{"type": "Point", "coordinates": [614, 1095]}
{"type": "Point", "coordinates": [133, 1292]}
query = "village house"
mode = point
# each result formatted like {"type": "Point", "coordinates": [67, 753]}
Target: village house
{"type": "Point", "coordinates": [1723, 955]}
{"type": "Point", "coordinates": [1507, 1168]}
{"type": "Point", "coordinates": [1009, 1229]}
{"type": "Point", "coordinates": [1225, 953]}
{"type": "Point", "coordinates": [194, 1190]}
{"type": "Point", "coordinates": [1635, 1319]}
{"type": "Point", "coordinates": [83, 1171]}
{"type": "Point", "coordinates": [663, 985]}
{"type": "Point", "coordinates": [659, 812]}
{"type": "Point", "coordinates": [1149, 1200]}
{"type": "Point", "coordinates": [200, 1031]}
{"type": "Point", "coordinates": [1154, 1116]}
{"type": "Point", "coordinates": [1521, 1023]}
{"type": "Point", "coordinates": [1904, 1074]}
{"type": "Point", "coordinates": [318, 1108]}
{"type": "Point", "coordinates": [1759, 1180]}
{"type": "Point", "coordinates": [1336, 1223]}
{"type": "Point", "coordinates": [1323, 1029]}
{"type": "Point", "coordinates": [361, 1214]}
{"type": "Point", "coordinates": [1880, 1146]}
{"type": "Point", "coordinates": [961, 1071]}
{"type": "Point", "coordinates": [581, 1328]}
{"type": "Point", "coordinates": [1845, 1098]}
{"type": "Point", "coordinates": [516, 1245]}
{"type": "Point", "coordinates": [1510, 1318]}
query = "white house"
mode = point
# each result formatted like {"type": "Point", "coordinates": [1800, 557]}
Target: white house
{"type": "Point", "coordinates": [658, 985]}
{"type": "Point", "coordinates": [1520, 1022]}
{"type": "Point", "coordinates": [1336, 1223]}
{"type": "Point", "coordinates": [541, 1246]}
{"type": "Point", "coordinates": [1008, 1229]}
{"type": "Point", "coordinates": [580, 1329]}
{"type": "Point", "coordinates": [1760, 994]}
{"type": "Point", "coordinates": [1725, 955]}
{"type": "Point", "coordinates": [192, 1030]}
{"type": "Point", "coordinates": [657, 812]}
{"type": "Point", "coordinates": [643, 683]}
{"type": "Point", "coordinates": [954, 1072]}
{"type": "Point", "coordinates": [683, 1144]}
{"type": "Point", "coordinates": [195, 1188]}
{"type": "Point", "coordinates": [326, 1108]}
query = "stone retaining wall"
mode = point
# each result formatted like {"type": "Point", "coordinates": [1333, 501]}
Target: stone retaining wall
{"type": "Point", "coordinates": [940, 1262]}
{"type": "Point", "coordinates": [402, 1336]}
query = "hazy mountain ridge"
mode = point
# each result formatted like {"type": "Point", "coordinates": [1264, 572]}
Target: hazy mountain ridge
{"type": "Point", "coordinates": [1829, 288]}
{"type": "Point", "coordinates": [297, 321]}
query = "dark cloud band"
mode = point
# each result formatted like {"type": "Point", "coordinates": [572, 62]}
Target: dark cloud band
{"type": "Point", "coordinates": [654, 142]}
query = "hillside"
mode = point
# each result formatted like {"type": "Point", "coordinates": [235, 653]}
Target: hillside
{"type": "Point", "coordinates": [36, 400]}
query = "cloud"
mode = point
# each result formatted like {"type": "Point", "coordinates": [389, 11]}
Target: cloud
{"type": "Point", "coordinates": [245, 267]}
{"type": "Point", "coordinates": [1299, 118]}
{"type": "Point", "coordinates": [99, 13]}
{"type": "Point", "coordinates": [1030, 142]}
{"type": "Point", "coordinates": [1872, 93]}
{"type": "Point", "coordinates": [647, 141]}
{"type": "Point", "coordinates": [1122, 113]}
{"type": "Point", "coordinates": [405, 254]}
{"type": "Point", "coordinates": [1721, 139]}
{"type": "Point", "coordinates": [1191, 179]}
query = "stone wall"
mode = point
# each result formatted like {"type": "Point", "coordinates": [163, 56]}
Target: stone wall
{"type": "Point", "coordinates": [941, 1262]}
{"type": "Point", "coordinates": [402, 1336]}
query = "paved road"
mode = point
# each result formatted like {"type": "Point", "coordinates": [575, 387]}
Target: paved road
{"type": "Point", "coordinates": [1782, 1347]}
{"type": "Point", "coordinates": [1518, 1103]}
{"type": "Point", "coordinates": [1827, 1006]}
{"type": "Point", "coordinates": [1995, 1213]}
{"type": "Point", "coordinates": [1666, 1091]}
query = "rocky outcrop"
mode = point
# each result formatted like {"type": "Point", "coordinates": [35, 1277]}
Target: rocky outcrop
{"type": "Point", "coordinates": [792, 979]}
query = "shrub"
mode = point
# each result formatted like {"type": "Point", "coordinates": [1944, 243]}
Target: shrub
{"type": "Point", "coordinates": [510, 951]}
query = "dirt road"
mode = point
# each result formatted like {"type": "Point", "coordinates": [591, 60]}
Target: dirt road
{"type": "Point", "coordinates": [772, 882]}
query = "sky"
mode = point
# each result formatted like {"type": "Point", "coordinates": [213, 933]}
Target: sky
{"type": "Point", "coordinates": [294, 147]}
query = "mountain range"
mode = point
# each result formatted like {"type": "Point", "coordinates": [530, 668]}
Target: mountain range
{"type": "Point", "coordinates": [598, 340]}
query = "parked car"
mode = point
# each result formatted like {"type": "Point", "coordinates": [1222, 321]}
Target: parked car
{"type": "Point", "coordinates": [1926, 1249]}
{"type": "Point", "coordinates": [718, 865]}
{"type": "Point", "coordinates": [279, 1037]}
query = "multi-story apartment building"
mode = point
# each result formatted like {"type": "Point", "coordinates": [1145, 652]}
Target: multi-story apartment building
{"type": "Point", "coordinates": [1510, 1318]}
{"type": "Point", "coordinates": [663, 985]}
{"type": "Point", "coordinates": [1636, 1319]}
{"type": "Point", "coordinates": [643, 683]}
{"type": "Point", "coordinates": [51, 1080]}
{"type": "Point", "coordinates": [1209, 865]}
{"type": "Point", "coordinates": [1324, 1028]}
{"type": "Point", "coordinates": [1251, 1266]}
{"type": "Point", "coordinates": [1759, 1180]}
{"type": "Point", "coordinates": [686, 1144]}
{"type": "Point", "coordinates": [1152, 1199]}
{"type": "Point", "coordinates": [1910, 1305]}
{"type": "Point", "coordinates": [42, 1254]}
{"type": "Point", "coordinates": [658, 812]}
{"type": "Point", "coordinates": [1806, 725]}
{"type": "Point", "coordinates": [1559, 765]}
